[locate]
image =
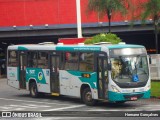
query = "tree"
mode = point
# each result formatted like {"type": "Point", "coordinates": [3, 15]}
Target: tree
{"type": "Point", "coordinates": [107, 7]}
{"type": "Point", "coordinates": [111, 38]}
{"type": "Point", "coordinates": [151, 9]}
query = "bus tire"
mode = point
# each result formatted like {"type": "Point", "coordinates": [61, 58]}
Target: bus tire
{"type": "Point", "coordinates": [33, 90]}
{"type": "Point", "coordinates": [87, 97]}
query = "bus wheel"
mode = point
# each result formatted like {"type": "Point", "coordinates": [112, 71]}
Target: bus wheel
{"type": "Point", "coordinates": [87, 97]}
{"type": "Point", "coordinates": [33, 90]}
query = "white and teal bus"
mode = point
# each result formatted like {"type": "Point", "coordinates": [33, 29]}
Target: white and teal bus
{"type": "Point", "coordinates": [117, 73]}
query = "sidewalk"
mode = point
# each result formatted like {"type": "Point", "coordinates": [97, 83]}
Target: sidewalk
{"type": "Point", "coordinates": [3, 78]}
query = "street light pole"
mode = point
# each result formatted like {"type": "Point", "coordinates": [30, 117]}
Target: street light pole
{"type": "Point", "coordinates": [79, 26]}
{"type": "Point", "coordinates": [156, 36]}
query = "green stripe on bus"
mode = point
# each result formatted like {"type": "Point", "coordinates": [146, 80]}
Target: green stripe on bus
{"type": "Point", "coordinates": [22, 48]}
{"type": "Point", "coordinates": [124, 46]}
{"type": "Point", "coordinates": [113, 96]}
{"type": "Point", "coordinates": [91, 80]}
{"type": "Point", "coordinates": [35, 73]}
{"type": "Point", "coordinates": [78, 48]}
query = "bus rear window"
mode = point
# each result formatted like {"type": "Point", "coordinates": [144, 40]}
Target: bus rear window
{"type": "Point", "coordinates": [12, 59]}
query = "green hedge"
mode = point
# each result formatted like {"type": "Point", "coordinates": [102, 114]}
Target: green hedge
{"type": "Point", "coordinates": [155, 88]}
{"type": "Point", "coordinates": [109, 37]}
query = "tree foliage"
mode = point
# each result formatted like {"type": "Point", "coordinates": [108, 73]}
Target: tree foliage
{"type": "Point", "coordinates": [107, 7]}
{"type": "Point", "coordinates": [112, 38]}
{"type": "Point", "coordinates": [151, 9]}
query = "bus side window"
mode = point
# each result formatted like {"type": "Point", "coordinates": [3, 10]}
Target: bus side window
{"type": "Point", "coordinates": [42, 60]}
{"type": "Point", "coordinates": [71, 61]}
{"type": "Point", "coordinates": [106, 71]}
{"type": "Point", "coordinates": [32, 59]}
{"type": "Point", "coordinates": [12, 59]}
{"type": "Point", "coordinates": [62, 61]}
{"type": "Point", "coordinates": [86, 62]}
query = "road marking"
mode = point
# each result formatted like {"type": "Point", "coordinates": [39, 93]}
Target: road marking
{"type": "Point", "coordinates": [112, 110]}
{"type": "Point", "coordinates": [32, 101]}
{"type": "Point", "coordinates": [22, 107]}
{"type": "Point", "coordinates": [5, 107]}
{"type": "Point", "coordinates": [19, 109]}
{"type": "Point", "coordinates": [27, 106]}
{"type": "Point", "coordinates": [153, 105]}
{"type": "Point", "coordinates": [64, 108]}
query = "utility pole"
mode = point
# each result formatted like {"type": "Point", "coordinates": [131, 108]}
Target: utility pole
{"type": "Point", "coordinates": [79, 26]}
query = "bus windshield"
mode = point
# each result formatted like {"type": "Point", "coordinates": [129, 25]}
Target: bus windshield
{"type": "Point", "coordinates": [129, 69]}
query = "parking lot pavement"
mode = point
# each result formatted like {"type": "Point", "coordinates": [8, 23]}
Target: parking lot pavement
{"type": "Point", "coordinates": [33, 105]}
{"type": "Point", "coordinates": [12, 99]}
{"type": "Point", "coordinates": [3, 78]}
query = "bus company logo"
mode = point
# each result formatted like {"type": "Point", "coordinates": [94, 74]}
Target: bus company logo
{"type": "Point", "coordinates": [40, 76]}
{"type": "Point", "coordinates": [31, 71]}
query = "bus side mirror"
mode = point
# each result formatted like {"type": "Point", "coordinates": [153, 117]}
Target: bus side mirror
{"type": "Point", "coordinates": [149, 58]}
{"type": "Point", "coordinates": [108, 67]}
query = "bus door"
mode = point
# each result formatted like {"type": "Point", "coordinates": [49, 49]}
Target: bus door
{"type": "Point", "coordinates": [22, 71]}
{"type": "Point", "coordinates": [54, 77]}
{"type": "Point", "coordinates": [102, 78]}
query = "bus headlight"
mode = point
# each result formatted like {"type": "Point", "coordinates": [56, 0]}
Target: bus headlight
{"type": "Point", "coordinates": [115, 89]}
{"type": "Point", "coordinates": [148, 87]}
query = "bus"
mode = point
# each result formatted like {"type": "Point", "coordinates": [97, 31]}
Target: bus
{"type": "Point", "coordinates": [114, 73]}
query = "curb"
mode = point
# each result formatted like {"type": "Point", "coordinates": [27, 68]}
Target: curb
{"type": "Point", "coordinates": [155, 97]}
{"type": "Point", "coordinates": [153, 80]}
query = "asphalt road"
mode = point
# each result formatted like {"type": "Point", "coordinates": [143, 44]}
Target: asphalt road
{"type": "Point", "coordinates": [19, 101]}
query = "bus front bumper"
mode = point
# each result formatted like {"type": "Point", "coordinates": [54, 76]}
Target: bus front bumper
{"type": "Point", "coordinates": [115, 97]}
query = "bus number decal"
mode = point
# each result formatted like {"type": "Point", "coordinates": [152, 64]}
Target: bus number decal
{"type": "Point", "coordinates": [86, 75]}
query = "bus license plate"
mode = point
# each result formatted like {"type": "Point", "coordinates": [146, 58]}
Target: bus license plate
{"type": "Point", "coordinates": [133, 98]}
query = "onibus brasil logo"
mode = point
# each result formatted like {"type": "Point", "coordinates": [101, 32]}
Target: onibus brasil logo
{"type": "Point", "coordinates": [40, 76]}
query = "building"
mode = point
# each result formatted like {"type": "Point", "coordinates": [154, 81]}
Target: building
{"type": "Point", "coordinates": [35, 21]}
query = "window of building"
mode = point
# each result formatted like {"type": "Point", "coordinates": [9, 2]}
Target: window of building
{"type": "Point", "coordinates": [86, 62]}
{"type": "Point", "coordinates": [13, 58]}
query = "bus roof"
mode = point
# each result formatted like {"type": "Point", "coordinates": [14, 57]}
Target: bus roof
{"type": "Point", "coordinates": [118, 46]}
{"type": "Point", "coordinates": [71, 47]}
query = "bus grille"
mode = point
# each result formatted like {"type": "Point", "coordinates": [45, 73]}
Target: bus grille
{"type": "Point", "coordinates": [136, 95]}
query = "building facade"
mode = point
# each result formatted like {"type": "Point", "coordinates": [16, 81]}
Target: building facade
{"type": "Point", "coordinates": [34, 21]}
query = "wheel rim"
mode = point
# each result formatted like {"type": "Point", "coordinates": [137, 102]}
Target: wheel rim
{"type": "Point", "coordinates": [88, 96]}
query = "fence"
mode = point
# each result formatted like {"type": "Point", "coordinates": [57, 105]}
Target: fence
{"type": "Point", "coordinates": [155, 66]}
